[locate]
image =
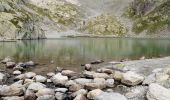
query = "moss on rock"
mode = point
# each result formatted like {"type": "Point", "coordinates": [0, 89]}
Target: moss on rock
{"type": "Point", "coordinates": [149, 15]}
{"type": "Point", "coordinates": [104, 25]}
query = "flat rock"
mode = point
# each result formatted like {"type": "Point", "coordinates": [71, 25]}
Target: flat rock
{"type": "Point", "coordinates": [62, 90]}
{"type": "Point", "coordinates": [94, 93]}
{"type": "Point", "coordinates": [10, 64]}
{"type": "Point", "coordinates": [17, 72]}
{"type": "Point", "coordinates": [30, 63]}
{"type": "Point", "coordinates": [36, 86]}
{"type": "Point", "coordinates": [101, 75]}
{"type": "Point", "coordinates": [158, 92]}
{"type": "Point", "coordinates": [7, 59]}
{"type": "Point", "coordinates": [39, 78]}
{"type": "Point", "coordinates": [110, 96]}
{"type": "Point", "coordinates": [13, 98]}
{"type": "Point", "coordinates": [30, 74]}
{"type": "Point", "coordinates": [131, 78]}
{"type": "Point", "coordinates": [59, 79]}
{"type": "Point", "coordinates": [12, 90]}
{"type": "Point", "coordinates": [46, 97]}
{"type": "Point", "coordinates": [83, 81]}
{"type": "Point", "coordinates": [45, 91]}
{"type": "Point", "coordinates": [68, 73]}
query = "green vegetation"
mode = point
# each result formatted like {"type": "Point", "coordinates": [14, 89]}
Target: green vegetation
{"type": "Point", "coordinates": [104, 25]}
{"type": "Point", "coordinates": [149, 15]}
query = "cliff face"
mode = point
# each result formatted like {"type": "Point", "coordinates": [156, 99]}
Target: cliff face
{"type": "Point", "coordinates": [34, 19]}
{"type": "Point", "coordinates": [16, 22]}
{"type": "Point", "coordinates": [151, 16]}
{"type": "Point", "coordinates": [29, 19]}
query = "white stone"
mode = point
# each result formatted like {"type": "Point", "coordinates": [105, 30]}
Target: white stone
{"type": "Point", "coordinates": [131, 78]}
{"type": "Point", "coordinates": [157, 92]}
{"type": "Point", "coordinates": [59, 79]}
{"type": "Point", "coordinates": [110, 82]}
{"type": "Point", "coordinates": [39, 78]}
{"type": "Point", "coordinates": [17, 72]}
{"type": "Point", "coordinates": [94, 93]}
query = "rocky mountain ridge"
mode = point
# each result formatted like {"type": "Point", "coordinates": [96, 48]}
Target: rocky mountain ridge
{"type": "Point", "coordinates": [35, 19]}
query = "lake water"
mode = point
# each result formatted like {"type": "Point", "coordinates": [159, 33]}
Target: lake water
{"type": "Point", "coordinates": [70, 53]}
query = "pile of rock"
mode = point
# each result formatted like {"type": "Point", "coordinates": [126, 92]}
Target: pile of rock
{"type": "Point", "coordinates": [96, 85]}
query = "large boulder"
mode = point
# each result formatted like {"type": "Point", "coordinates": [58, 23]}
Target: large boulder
{"type": "Point", "coordinates": [157, 92]}
{"type": "Point", "coordinates": [12, 90]}
{"type": "Point", "coordinates": [39, 78]}
{"type": "Point", "coordinates": [131, 78]}
{"type": "Point", "coordinates": [136, 93]}
{"type": "Point", "coordinates": [36, 86]}
{"type": "Point", "coordinates": [59, 79]}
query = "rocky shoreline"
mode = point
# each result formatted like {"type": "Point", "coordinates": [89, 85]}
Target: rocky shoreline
{"type": "Point", "coordinates": [108, 83]}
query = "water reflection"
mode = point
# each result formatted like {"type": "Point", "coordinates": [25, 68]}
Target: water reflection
{"type": "Point", "coordinates": [71, 53]}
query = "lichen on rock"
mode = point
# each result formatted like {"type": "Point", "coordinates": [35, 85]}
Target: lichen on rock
{"type": "Point", "coordinates": [149, 15]}
{"type": "Point", "coordinates": [104, 25]}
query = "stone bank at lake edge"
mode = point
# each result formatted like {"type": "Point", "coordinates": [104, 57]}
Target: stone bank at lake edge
{"type": "Point", "coordinates": [106, 83]}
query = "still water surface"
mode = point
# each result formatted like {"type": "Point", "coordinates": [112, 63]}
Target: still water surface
{"type": "Point", "coordinates": [70, 53]}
